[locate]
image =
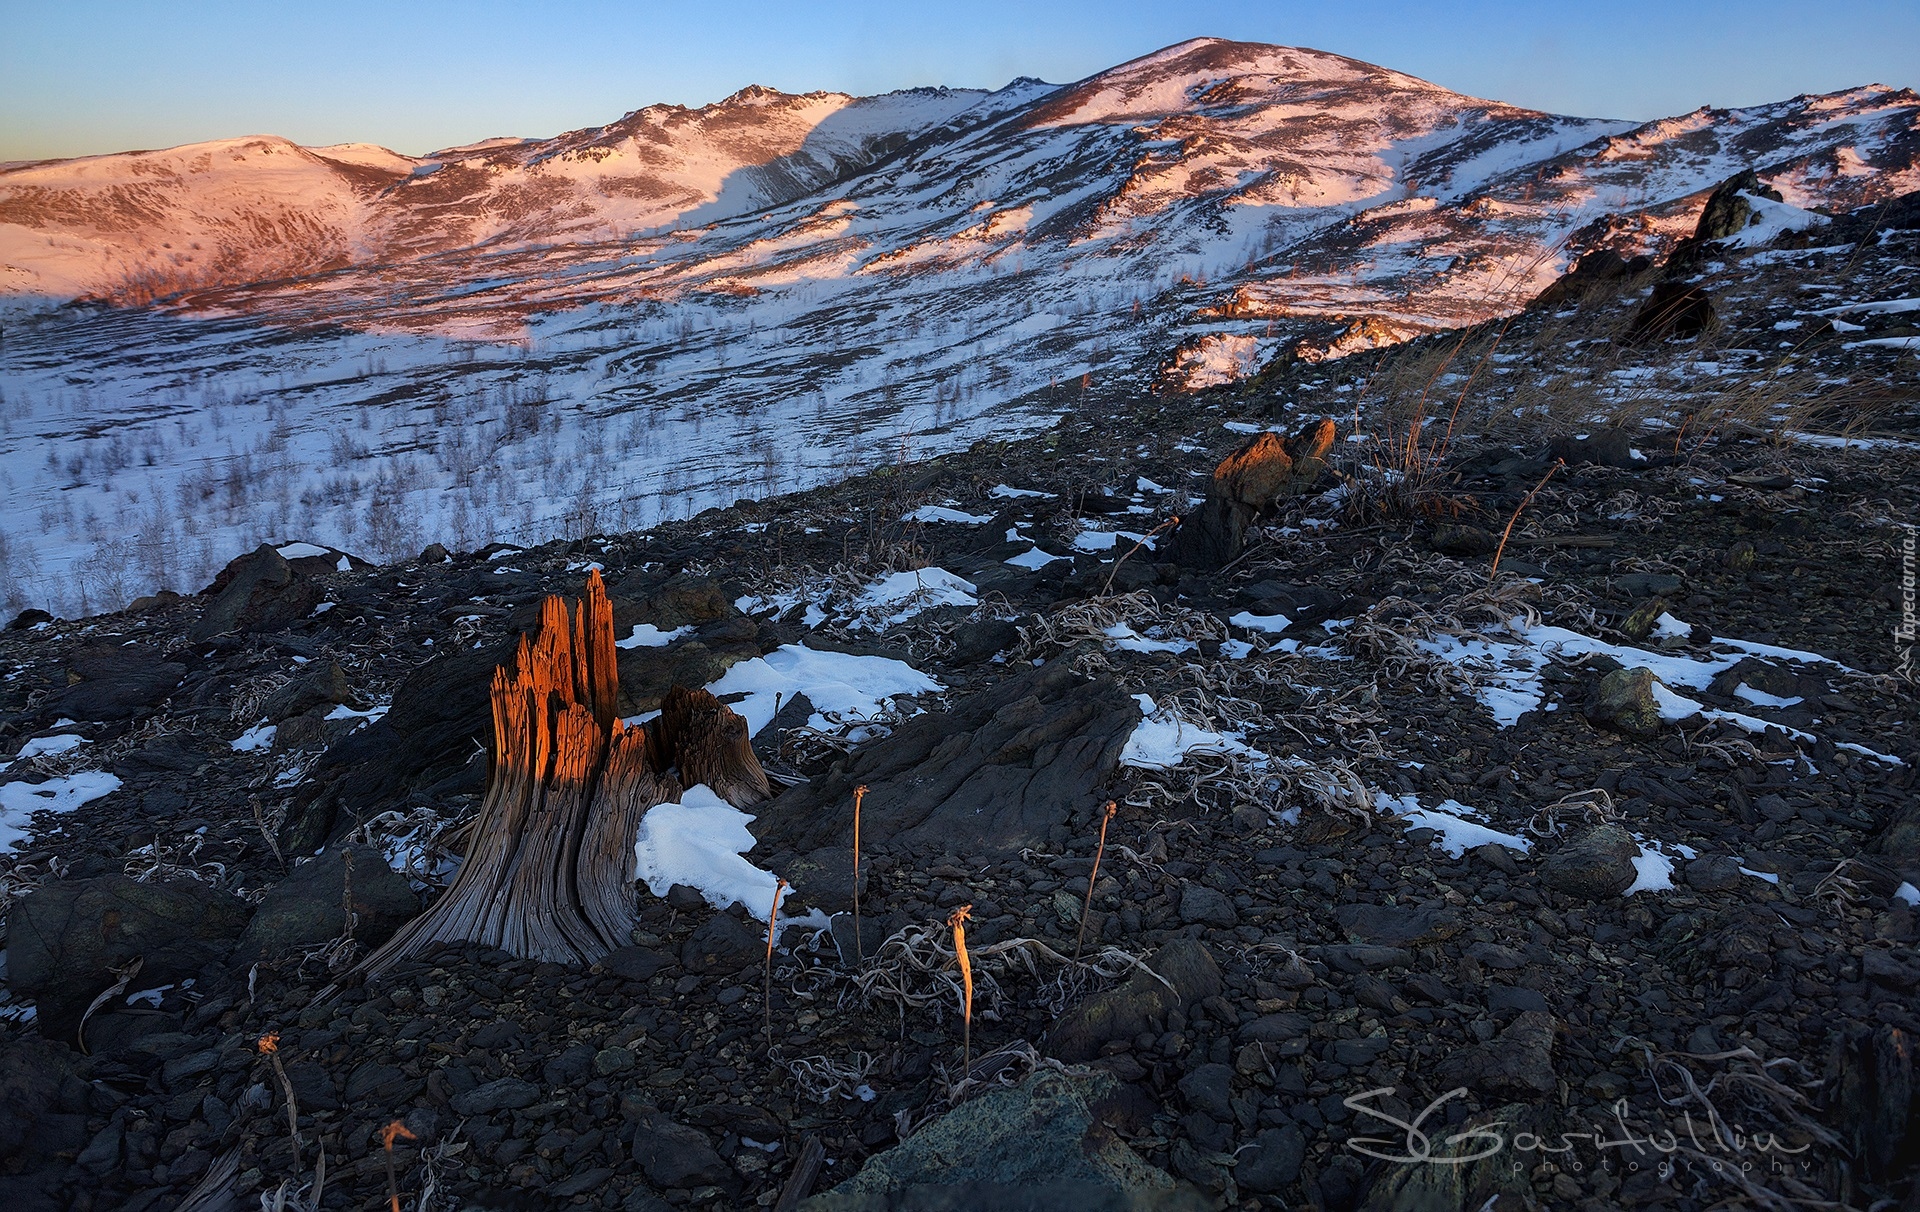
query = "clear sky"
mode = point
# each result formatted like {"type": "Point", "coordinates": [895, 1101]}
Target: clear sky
{"type": "Point", "coordinates": [86, 76]}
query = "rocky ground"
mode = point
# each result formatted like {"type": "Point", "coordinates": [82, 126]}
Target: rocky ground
{"type": "Point", "coordinates": [1451, 908]}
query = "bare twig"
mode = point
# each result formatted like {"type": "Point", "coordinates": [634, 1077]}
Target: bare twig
{"type": "Point", "coordinates": [1524, 502]}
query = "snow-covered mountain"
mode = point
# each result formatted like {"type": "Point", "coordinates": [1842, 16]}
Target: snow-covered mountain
{"type": "Point", "coordinates": [524, 337]}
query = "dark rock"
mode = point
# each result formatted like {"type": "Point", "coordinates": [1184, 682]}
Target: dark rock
{"type": "Point", "coordinates": [1517, 1062]}
{"type": "Point", "coordinates": [674, 1155]}
{"type": "Point", "coordinates": [1140, 1004]}
{"type": "Point", "coordinates": [502, 1094]}
{"type": "Point", "coordinates": [1496, 856]}
{"type": "Point", "coordinates": [646, 674]}
{"type": "Point", "coordinates": [1046, 1130]}
{"type": "Point", "coordinates": [1395, 925]}
{"type": "Point", "coordinates": [1273, 1162]}
{"type": "Point", "coordinates": [998, 771]}
{"type": "Point", "coordinates": [720, 944]}
{"type": "Point", "coordinates": [1595, 865]}
{"type": "Point", "coordinates": [979, 641]}
{"type": "Point", "coordinates": [1675, 309]}
{"type": "Point", "coordinates": [1624, 702]}
{"type": "Point", "coordinates": [1716, 874]}
{"type": "Point", "coordinates": [28, 619]}
{"type": "Point", "coordinates": [1757, 675]}
{"type": "Point", "coordinates": [437, 715]}
{"type": "Point", "coordinates": [317, 688]}
{"type": "Point", "coordinates": [1209, 1089]}
{"type": "Point", "coordinates": [1362, 957]}
{"type": "Point", "coordinates": [1275, 1028]}
{"type": "Point", "coordinates": [1728, 212]}
{"type": "Point", "coordinates": [38, 1080]}
{"type": "Point", "coordinates": [1456, 539]}
{"type": "Point", "coordinates": [1601, 271]}
{"type": "Point", "coordinates": [300, 732]}
{"type": "Point", "coordinates": [434, 553]}
{"type": "Point", "coordinates": [1199, 903]}
{"type": "Point", "coordinates": [115, 682]}
{"type": "Point", "coordinates": [1515, 997]}
{"type": "Point", "coordinates": [64, 939]}
{"type": "Point", "coordinates": [308, 908]}
{"type": "Point", "coordinates": [1489, 1182]}
{"type": "Point", "coordinates": [1608, 448]}
{"type": "Point", "coordinates": [1647, 584]}
{"type": "Point", "coordinates": [636, 963]}
{"type": "Point", "coordinates": [257, 592]}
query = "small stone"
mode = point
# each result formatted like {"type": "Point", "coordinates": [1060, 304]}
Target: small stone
{"type": "Point", "coordinates": [1209, 1090]}
{"type": "Point", "coordinates": [1199, 903]}
{"type": "Point", "coordinates": [1273, 1162]}
{"type": "Point", "coordinates": [504, 1094]}
{"type": "Point", "coordinates": [719, 944]}
{"type": "Point", "coordinates": [1640, 622]}
{"type": "Point", "coordinates": [609, 1061]}
{"type": "Point", "coordinates": [1715, 874]}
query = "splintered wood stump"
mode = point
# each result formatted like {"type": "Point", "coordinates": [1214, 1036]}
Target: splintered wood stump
{"type": "Point", "coordinates": [1246, 484]}
{"type": "Point", "coordinates": [549, 872]}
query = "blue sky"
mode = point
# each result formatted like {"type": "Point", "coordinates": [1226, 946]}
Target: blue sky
{"type": "Point", "coordinates": [84, 76]}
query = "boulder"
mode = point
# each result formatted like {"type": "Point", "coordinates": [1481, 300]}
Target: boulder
{"type": "Point", "coordinates": [1728, 212]}
{"type": "Point", "coordinates": [306, 908]}
{"type": "Point", "coordinates": [28, 619]}
{"type": "Point", "coordinates": [1247, 484]}
{"type": "Point", "coordinates": [1674, 309]}
{"type": "Point", "coordinates": [1595, 865]}
{"type": "Point", "coordinates": [674, 1155]}
{"type": "Point", "coordinates": [43, 1092]}
{"type": "Point", "coordinates": [114, 682]}
{"type": "Point", "coordinates": [1207, 906]}
{"type": "Point", "coordinates": [1517, 1063]}
{"type": "Point", "coordinates": [721, 944]}
{"type": "Point", "coordinates": [1003, 769]}
{"type": "Point", "coordinates": [1599, 272]}
{"type": "Point", "coordinates": [1183, 972]}
{"type": "Point", "coordinates": [1046, 1132]}
{"type": "Point", "coordinates": [259, 591]}
{"type": "Point", "coordinates": [427, 735]}
{"type": "Point", "coordinates": [322, 687]}
{"type": "Point", "coordinates": [1640, 620]}
{"type": "Point", "coordinates": [64, 939]}
{"type": "Point", "coordinates": [1624, 702]}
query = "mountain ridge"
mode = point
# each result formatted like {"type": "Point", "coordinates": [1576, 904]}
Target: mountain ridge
{"type": "Point", "coordinates": [756, 295]}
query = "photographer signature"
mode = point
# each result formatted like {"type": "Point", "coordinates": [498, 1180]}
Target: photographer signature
{"type": "Point", "coordinates": [1475, 1142]}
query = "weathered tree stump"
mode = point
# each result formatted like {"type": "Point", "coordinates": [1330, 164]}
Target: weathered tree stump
{"type": "Point", "coordinates": [1246, 484]}
{"type": "Point", "coordinates": [549, 873]}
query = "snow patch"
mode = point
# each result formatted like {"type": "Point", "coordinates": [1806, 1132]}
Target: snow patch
{"type": "Point", "coordinates": [1452, 820]}
{"type": "Point", "coordinates": [850, 687]}
{"type": "Point", "coordinates": [1162, 740]}
{"type": "Point", "coordinates": [646, 635]}
{"type": "Point", "coordinates": [19, 801]}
